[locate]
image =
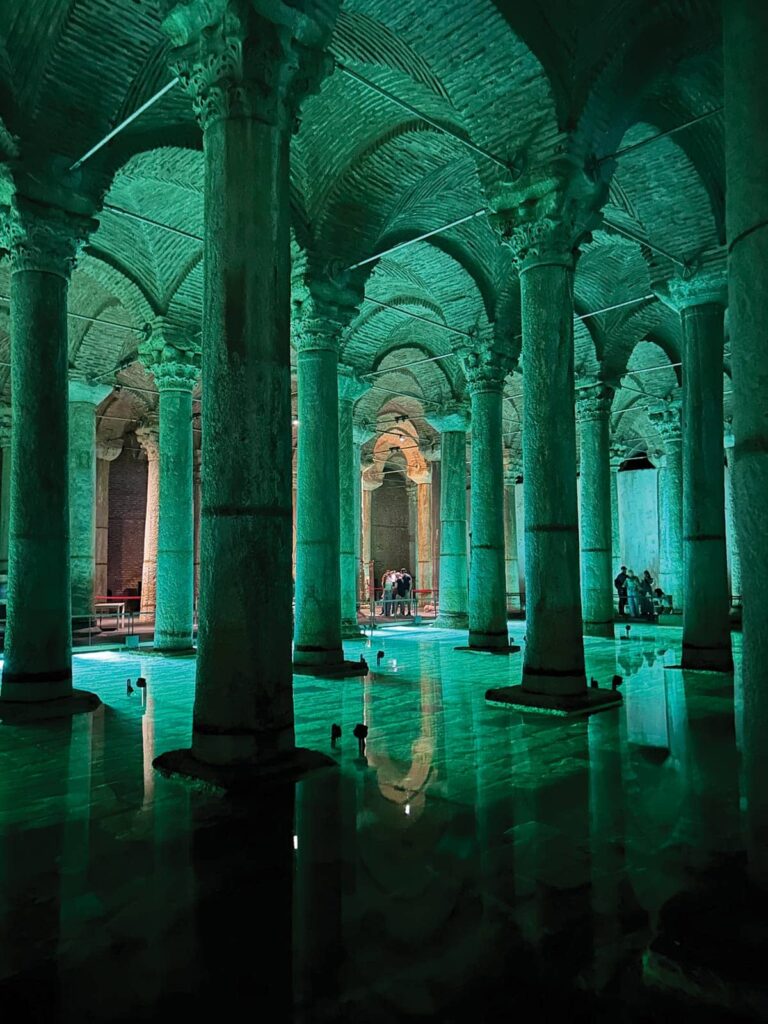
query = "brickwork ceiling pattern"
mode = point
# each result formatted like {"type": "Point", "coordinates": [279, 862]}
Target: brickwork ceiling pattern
{"type": "Point", "coordinates": [522, 81]}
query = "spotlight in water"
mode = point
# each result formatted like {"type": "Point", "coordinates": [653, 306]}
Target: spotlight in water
{"type": "Point", "coordinates": [295, 842]}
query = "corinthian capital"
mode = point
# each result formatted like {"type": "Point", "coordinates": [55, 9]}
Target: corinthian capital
{"type": "Point", "coordinates": [594, 404]}
{"type": "Point", "coordinates": [351, 387]}
{"type": "Point", "coordinates": [148, 435]}
{"type": "Point", "coordinates": [238, 61]}
{"type": "Point", "coordinates": [321, 309]}
{"type": "Point", "coordinates": [170, 355]}
{"type": "Point", "coordinates": [42, 237]}
{"type": "Point", "coordinates": [543, 218]}
{"type": "Point", "coordinates": [696, 287]}
{"type": "Point", "coordinates": [667, 422]}
{"type": "Point", "coordinates": [485, 367]}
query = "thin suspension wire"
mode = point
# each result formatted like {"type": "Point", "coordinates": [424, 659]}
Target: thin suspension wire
{"type": "Point", "coordinates": [155, 223]}
{"type": "Point", "coordinates": [419, 238]}
{"type": "Point", "coordinates": [642, 241]}
{"type": "Point", "coordinates": [660, 135]}
{"type": "Point", "coordinates": [417, 316]}
{"type": "Point", "coordinates": [423, 117]}
{"type": "Point", "coordinates": [92, 319]}
{"type": "Point", "coordinates": [124, 124]}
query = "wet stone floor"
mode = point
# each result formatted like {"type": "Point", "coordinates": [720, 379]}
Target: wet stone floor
{"type": "Point", "coordinates": [474, 865]}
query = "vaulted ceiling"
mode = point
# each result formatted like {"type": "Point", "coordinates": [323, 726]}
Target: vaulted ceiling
{"type": "Point", "coordinates": [367, 174]}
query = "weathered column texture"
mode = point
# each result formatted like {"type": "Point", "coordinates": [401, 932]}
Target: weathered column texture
{"type": "Point", "coordinates": [175, 371]}
{"type": "Point", "coordinates": [424, 532]}
{"type": "Point", "coordinates": [745, 44]}
{"type": "Point", "coordinates": [43, 243]}
{"type": "Point", "coordinates": [593, 409]}
{"type": "Point", "coordinates": [512, 567]}
{"type": "Point", "coordinates": [148, 436]}
{"type": "Point", "coordinates": [667, 422]}
{"type": "Point", "coordinates": [617, 458]}
{"type": "Point", "coordinates": [197, 466]}
{"type": "Point", "coordinates": [5, 488]}
{"type": "Point", "coordinates": [83, 399]}
{"type": "Point", "coordinates": [368, 483]}
{"type": "Point", "coordinates": [319, 319]}
{"type": "Point", "coordinates": [453, 597]}
{"type": "Point", "coordinates": [706, 621]}
{"type": "Point", "coordinates": [554, 651]}
{"type": "Point", "coordinates": [730, 519]}
{"type": "Point", "coordinates": [350, 389]}
{"type": "Point", "coordinates": [485, 370]}
{"type": "Point", "coordinates": [242, 73]}
{"type": "Point", "coordinates": [359, 436]}
{"type": "Point", "coordinates": [106, 452]}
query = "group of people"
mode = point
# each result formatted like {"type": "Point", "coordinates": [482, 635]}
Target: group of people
{"type": "Point", "coordinates": [396, 586]}
{"type": "Point", "coordinates": [638, 597]}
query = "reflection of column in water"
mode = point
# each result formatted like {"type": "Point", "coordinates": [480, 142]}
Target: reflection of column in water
{"type": "Point", "coordinates": [31, 844]}
{"type": "Point", "coordinates": [75, 848]}
{"type": "Point", "coordinates": [607, 739]}
{"type": "Point", "coordinates": [323, 824]}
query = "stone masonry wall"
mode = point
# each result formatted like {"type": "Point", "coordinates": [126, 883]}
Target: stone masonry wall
{"type": "Point", "coordinates": [127, 507]}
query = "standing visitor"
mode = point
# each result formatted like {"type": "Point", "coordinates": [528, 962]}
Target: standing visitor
{"type": "Point", "coordinates": [621, 586]}
{"type": "Point", "coordinates": [633, 594]}
{"type": "Point", "coordinates": [404, 582]}
{"type": "Point", "coordinates": [388, 586]}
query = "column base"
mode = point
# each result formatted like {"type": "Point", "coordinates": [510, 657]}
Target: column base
{"type": "Point", "coordinates": [21, 711]}
{"type": "Point", "coordinates": [602, 629]}
{"type": "Point", "coordinates": [509, 649]}
{"type": "Point", "coordinates": [451, 620]}
{"type": "Point", "coordinates": [183, 766]}
{"type": "Point", "coordinates": [350, 629]}
{"type": "Point", "coordinates": [482, 641]}
{"type": "Point", "coordinates": [561, 705]}
{"type": "Point", "coordinates": [175, 649]}
{"type": "Point", "coordinates": [171, 643]}
{"type": "Point", "coordinates": [707, 659]}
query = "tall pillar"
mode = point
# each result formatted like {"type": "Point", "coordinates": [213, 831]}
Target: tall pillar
{"type": "Point", "coordinates": [106, 452]}
{"type": "Point", "coordinates": [512, 567]}
{"type": "Point", "coordinates": [38, 647]}
{"type": "Point", "coordinates": [701, 302]}
{"type": "Point", "coordinates": [734, 558]}
{"type": "Point", "coordinates": [453, 596]}
{"type": "Point", "coordinates": [485, 370]}
{"type": "Point", "coordinates": [246, 74]}
{"type": "Point", "coordinates": [83, 399]}
{"type": "Point", "coordinates": [351, 388]}
{"type": "Point", "coordinates": [174, 365]}
{"type": "Point", "coordinates": [745, 44]}
{"type": "Point", "coordinates": [422, 567]}
{"type": "Point", "coordinates": [369, 482]}
{"type": "Point", "coordinates": [593, 411]}
{"type": "Point", "coordinates": [617, 457]}
{"type": "Point", "coordinates": [554, 651]}
{"type": "Point", "coordinates": [197, 468]}
{"type": "Point", "coordinates": [148, 437]}
{"type": "Point", "coordinates": [543, 220]}
{"type": "Point", "coordinates": [5, 489]}
{"type": "Point", "coordinates": [321, 313]}
{"type": "Point", "coordinates": [667, 423]}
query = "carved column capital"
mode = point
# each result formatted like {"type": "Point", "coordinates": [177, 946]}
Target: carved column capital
{"type": "Point", "coordinates": [45, 238]}
{"type": "Point", "coordinates": [449, 418]}
{"type": "Point", "coordinates": [88, 394]}
{"type": "Point", "coordinates": [667, 421]}
{"type": "Point", "coordinates": [238, 61]}
{"type": "Point", "coordinates": [617, 455]}
{"type": "Point", "coordinates": [351, 387]}
{"type": "Point", "coordinates": [485, 368]}
{"type": "Point", "coordinates": [321, 310]}
{"type": "Point", "coordinates": [593, 404]}
{"type": "Point", "coordinates": [695, 287]}
{"type": "Point", "coordinates": [544, 217]}
{"type": "Point", "coordinates": [148, 435]}
{"type": "Point", "coordinates": [170, 355]}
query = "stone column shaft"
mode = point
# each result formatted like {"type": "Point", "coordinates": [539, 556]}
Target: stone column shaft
{"type": "Point", "coordinates": [317, 627]}
{"type": "Point", "coordinates": [149, 439]}
{"type": "Point", "coordinates": [730, 519]}
{"type": "Point", "coordinates": [745, 43]}
{"type": "Point", "coordinates": [510, 542]}
{"type": "Point", "coordinates": [83, 400]}
{"type": "Point", "coordinates": [351, 439]}
{"type": "Point", "coordinates": [594, 410]}
{"type": "Point", "coordinates": [706, 623]}
{"type": "Point", "coordinates": [554, 651]}
{"type": "Point", "coordinates": [37, 663]}
{"type": "Point", "coordinates": [616, 461]}
{"type": "Point", "coordinates": [5, 489]}
{"type": "Point", "coordinates": [670, 484]}
{"type": "Point", "coordinates": [485, 372]}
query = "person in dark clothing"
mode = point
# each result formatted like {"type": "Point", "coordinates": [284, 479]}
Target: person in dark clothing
{"type": "Point", "coordinates": [621, 587]}
{"type": "Point", "coordinates": [404, 582]}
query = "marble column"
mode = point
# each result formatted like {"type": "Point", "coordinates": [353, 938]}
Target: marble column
{"type": "Point", "coordinates": [512, 567]}
{"type": "Point", "coordinates": [5, 488]}
{"type": "Point", "coordinates": [351, 388]}
{"type": "Point", "coordinates": [667, 423]}
{"type": "Point", "coordinates": [197, 468]}
{"type": "Point", "coordinates": [745, 44]}
{"type": "Point", "coordinates": [43, 243]}
{"type": "Point", "coordinates": [593, 411]}
{"type": "Point", "coordinates": [83, 399]}
{"type": "Point", "coordinates": [247, 75]}
{"type": "Point", "coordinates": [452, 596]}
{"type": "Point", "coordinates": [485, 370]}
{"type": "Point", "coordinates": [175, 371]}
{"type": "Point", "coordinates": [106, 452]}
{"type": "Point", "coordinates": [317, 325]}
{"type": "Point", "coordinates": [554, 651]}
{"type": "Point", "coordinates": [617, 457]}
{"type": "Point", "coordinates": [734, 559]}
{"type": "Point", "coordinates": [148, 437]}
{"type": "Point", "coordinates": [701, 301]}
{"type": "Point", "coordinates": [423, 529]}
{"type": "Point", "coordinates": [369, 482]}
